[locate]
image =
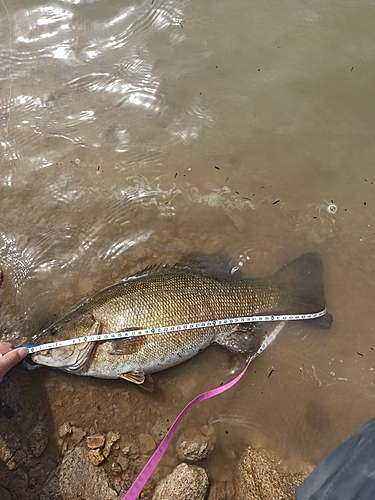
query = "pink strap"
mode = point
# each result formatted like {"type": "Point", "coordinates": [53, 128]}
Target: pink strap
{"type": "Point", "coordinates": [137, 486]}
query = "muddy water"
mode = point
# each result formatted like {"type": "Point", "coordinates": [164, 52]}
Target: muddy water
{"type": "Point", "coordinates": [133, 133]}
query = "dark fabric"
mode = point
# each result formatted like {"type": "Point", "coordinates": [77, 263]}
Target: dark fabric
{"type": "Point", "coordinates": [348, 473]}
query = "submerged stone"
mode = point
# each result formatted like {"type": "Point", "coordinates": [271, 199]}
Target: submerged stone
{"type": "Point", "coordinates": [186, 482]}
{"type": "Point", "coordinates": [146, 443]}
{"type": "Point", "coordinates": [195, 446]}
{"type": "Point", "coordinates": [75, 478]}
{"type": "Point", "coordinates": [259, 478]}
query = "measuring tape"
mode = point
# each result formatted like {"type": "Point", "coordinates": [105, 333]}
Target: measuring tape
{"type": "Point", "coordinates": [175, 328]}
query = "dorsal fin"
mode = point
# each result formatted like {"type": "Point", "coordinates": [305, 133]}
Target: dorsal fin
{"type": "Point", "coordinates": [153, 269]}
{"type": "Point", "coordinates": [206, 264]}
{"type": "Point", "coordinates": [210, 264]}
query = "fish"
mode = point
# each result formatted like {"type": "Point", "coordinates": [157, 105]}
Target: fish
{"type": "Point", "coordinates": [195, 289]}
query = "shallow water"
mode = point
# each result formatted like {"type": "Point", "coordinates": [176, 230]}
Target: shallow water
{"type": "Point", "coordinates": [133, 133]}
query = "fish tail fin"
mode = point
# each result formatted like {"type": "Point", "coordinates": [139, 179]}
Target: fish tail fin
{"type": "Point", "coordinates": [303, 278]}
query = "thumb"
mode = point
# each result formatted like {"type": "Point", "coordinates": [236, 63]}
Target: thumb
{"type": "Point", "coordinates": [10, 359]}
{"type": "Point", "coordinates": [22, 352]}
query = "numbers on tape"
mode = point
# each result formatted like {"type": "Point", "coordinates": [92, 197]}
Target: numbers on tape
{"type": "Point", "coordinates": [176, 328]}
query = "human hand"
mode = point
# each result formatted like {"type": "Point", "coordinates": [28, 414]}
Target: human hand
{"type": "Point", "coordinates": [10, 357]}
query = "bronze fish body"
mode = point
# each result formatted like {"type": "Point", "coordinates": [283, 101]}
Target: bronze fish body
{"type": "Point", "coordinates": [175, 295]}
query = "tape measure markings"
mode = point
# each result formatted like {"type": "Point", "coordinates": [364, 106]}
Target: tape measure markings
{"type": "Point", "coordinates": [173, 328]}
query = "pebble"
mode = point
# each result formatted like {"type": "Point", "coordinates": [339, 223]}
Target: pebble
{"type": "Point", "coordinates": [77, 434]}
{"type": "Point", "coordinates": [65, 429]}
{"type": "Point", "coordinates": [160, 428]}
{"type": "Point", "coordinates": [116, 468]}
{"type": "Point", "coordinates": [186, 482]}
{"type": "Point", "coordinates": [95, 457]}
{"type": "Point", "coordinates": [187, 386]}
{"type": "Point", "coordinates": [19, 458]}
{"type": "Point", "coordinates": [146, 443]}
{"type": "Point", "coordinates": [131, 451]}
{"type": "Point", "coordinates": [123, 462]}
{"type": "Point", "coordinates": [194, 446]}
{"type": "Point", "coordinates": [9, 443]}
{"type": "Point", "coordinates": [207, 430]}
{"type": "Point", "coordinates": [64, 448]}
{"type": "Point", "coordinates": [38, 440]}
{"type": "Point", "coordinates": [111, 438]}
{"type": "Point", "coordinates": [95, 441]}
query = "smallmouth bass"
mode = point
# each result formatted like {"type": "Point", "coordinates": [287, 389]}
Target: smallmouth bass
{"type": "Point", "coordinates": [169, 295]}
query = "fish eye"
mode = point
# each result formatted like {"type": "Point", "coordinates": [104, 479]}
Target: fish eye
{"type": "Point", "coordinates": [55, 330]}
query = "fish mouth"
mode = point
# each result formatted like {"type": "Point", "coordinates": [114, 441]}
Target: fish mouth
{"type": "Point", "coordinates": [71, 359]}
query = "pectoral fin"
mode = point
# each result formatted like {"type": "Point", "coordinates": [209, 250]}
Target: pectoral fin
{"type": "Point", "coordinates": [245, 337]}
{"type": "Point", "coordinates": [126, 346]}
{"type": "Point", "coordinates": [139, 378]}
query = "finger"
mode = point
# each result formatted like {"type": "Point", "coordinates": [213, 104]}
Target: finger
{"type": "Point", "coordinates": [5, 347]}
{"type": "Point", "coordinates": [10, 359]}
{"type": "Point", "coordinates": [22, 352]}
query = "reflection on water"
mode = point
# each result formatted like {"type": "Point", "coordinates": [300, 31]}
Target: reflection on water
{"type": "Point", "coordinates": [135, 132]}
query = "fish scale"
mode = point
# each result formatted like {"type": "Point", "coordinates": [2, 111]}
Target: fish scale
{"type": "Point", "coordinates": [167, 300]}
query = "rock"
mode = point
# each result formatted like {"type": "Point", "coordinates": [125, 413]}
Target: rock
{"type": "Point", "coordinates": [146, 443]}
{"type": "Point", "coordinates": [116, 468]}
{"type": "Point", "coordinates": [77, 434]}
{"type": "Point", "coordinates": [75, 478]}
{"type": "Point", "coordinates": [123, 462]}
{"type": "Point", "coordinates": [65, 429]}
{"type": "Point", "coordinates": [19, 458]}
{"type": "Point", "coordinates": [9, 444]}
{"type": "Point", "coordinates": [95, 457]}
{"type": "Point", "coordinates": [64, 448]}
{"type": "Point", "coordinates": [38, 440]}
{"type": "Point", "coordinates": [188, 386]}
{"type": "Point", "coordinates": [259, 478]}
{"type": "Point", "coordinates": [195, 446]}
{"type": "Point", "coordinates": [160, 429]}
{"type": "Point", "coordinates": [131, 451]}
{"type": "Point", "coordinates": [207, 430]}
{"type": "Point", "coordinates": [111, 438]}
{"type": "Point", "coordinates": [117, 484]}
{"type": "Point", "coordinates": [95, 441]}
{"type": "Point", "coordinates": [186, 482]}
